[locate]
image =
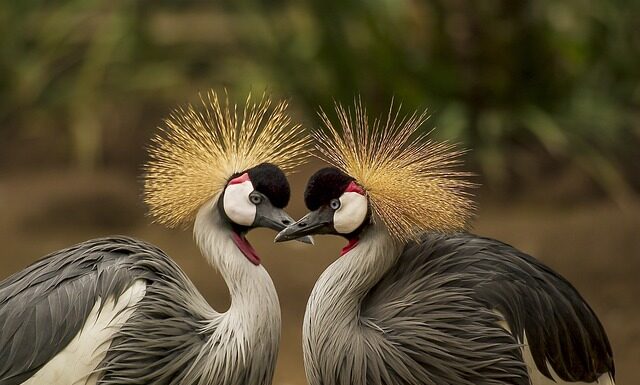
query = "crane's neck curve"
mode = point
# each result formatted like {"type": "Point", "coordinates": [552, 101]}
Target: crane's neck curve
{"type": "Point", "coordinates": [343, 285]}
{"type": "Point", "coordinates": [333, 317]}
{"type": "Point", "coordinates": [250, 286]}
{"type": "Point", "coordinates": [250, 329]}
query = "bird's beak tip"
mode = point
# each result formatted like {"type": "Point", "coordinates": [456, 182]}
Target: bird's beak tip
{"type": "Point", "coordinates": [285, 235]}
{"type": "Point", "coordinates": [280, 237]}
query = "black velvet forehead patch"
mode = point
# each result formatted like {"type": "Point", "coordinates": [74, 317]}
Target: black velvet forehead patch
{"type": "Point", "coordinates": [325, 185]}
{"type": "Point", "coordinates": [271, 181]}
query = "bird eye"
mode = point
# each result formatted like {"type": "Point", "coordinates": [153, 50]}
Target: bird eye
{"type": "Point", "coordinates": [334, 204]}
{"type": "Point", "coordinates": [255, 199]}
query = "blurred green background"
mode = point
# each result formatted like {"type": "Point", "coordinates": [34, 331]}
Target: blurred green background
{"type": "Point", "coordinates": [546, 94]}
{"type": "Point", "coordinates": [534, 88]}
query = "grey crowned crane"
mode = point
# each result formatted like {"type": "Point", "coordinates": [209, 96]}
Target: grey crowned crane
{"type": "Point", "coordinates": [120, 311]}
{"type": "Point", "coordinates": [414, 298]}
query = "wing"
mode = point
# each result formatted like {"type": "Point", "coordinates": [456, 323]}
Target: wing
{"type": "Point", "coordinates": [44, 306]}
{"type": "Point", "coordinates": [162, 341]}
{"type": "Point", "coordinates": [434, 330]}
{"type": "Point", "coordinates": [560, 327]}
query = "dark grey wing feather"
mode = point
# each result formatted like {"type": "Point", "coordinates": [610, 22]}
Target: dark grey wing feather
{"type": "Point", "coordinates": [433, 329]}
{"type": "Point", "coordinates": [44, 306]}
{"type": "Point", "coordinates": [561, 327]}
{"type": "Point", "coordinates": [489, 275]}
{"type": "Point", "coordinates": [161, 342]}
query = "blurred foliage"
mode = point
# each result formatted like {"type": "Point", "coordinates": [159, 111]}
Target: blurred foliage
{"type": "Point", "coordinates": [533, 87]}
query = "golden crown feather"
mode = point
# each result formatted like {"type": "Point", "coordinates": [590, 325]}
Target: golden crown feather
{"type": "Point", "coordinates": [198, 149]}
{"type": "Point", "coordinates": [411, 180]}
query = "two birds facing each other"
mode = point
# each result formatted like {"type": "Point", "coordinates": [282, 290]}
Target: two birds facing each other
{"type": "Point", "coordinates": [413, 298]}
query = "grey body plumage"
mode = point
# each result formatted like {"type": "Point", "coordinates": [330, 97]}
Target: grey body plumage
{"type": "Point", "coordinates": [171, 337]}
{"type": "Point", "coordinates": [164, 341]}
{"type": "Point", "coordinates": [438, 308]}
{"type": "Point", "coordinates": [432, 315]}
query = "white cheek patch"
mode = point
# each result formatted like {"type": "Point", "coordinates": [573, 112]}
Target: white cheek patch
{"type": "Point", "coordinates": [237, 205]}
{"type": "Point", "coordinates": [351, 214]}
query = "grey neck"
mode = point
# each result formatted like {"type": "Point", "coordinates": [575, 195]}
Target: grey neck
{"type": "Point", "coordinates": [332, 318]}
{"type": "Point", "coordinates": [343, 285]}
{"type": "Point", "coordinates": [250, 286]}
{"type": "Point", "coordinates": [243, 342]}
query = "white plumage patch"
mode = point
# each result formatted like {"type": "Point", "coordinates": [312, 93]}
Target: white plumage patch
{"type": "Point", "coordinates": [351, 214]}
{"type": "Point", "coordinates": [75, 364]}
{"type": "Point", "coordinates": [237, 205]}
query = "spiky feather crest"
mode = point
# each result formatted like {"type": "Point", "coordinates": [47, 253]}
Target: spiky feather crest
{"type": "Point", "coordinates": [410, 180]}
{"type": "Point", "coordinates": [198, 150]}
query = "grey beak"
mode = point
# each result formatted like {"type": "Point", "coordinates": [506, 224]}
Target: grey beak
{"type": "Point", "coordinates": [315, 222]}
{"type": "Point", "coordinates": [308, 239]}
{"type": "Point", "coordinates": [276, 219]}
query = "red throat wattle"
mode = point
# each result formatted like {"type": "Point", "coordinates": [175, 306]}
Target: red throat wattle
{"type": "Point", "coordinates": [353, 242]}
{"type": "Point", "coordinates": [246, 248]}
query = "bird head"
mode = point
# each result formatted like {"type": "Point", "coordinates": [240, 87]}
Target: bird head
{"type": "Point", "coordinates": [222, 157]}
{"type": "Point", "coordinates": [383, 173]}
{"type": "Point", "coordinates": [256, 198]}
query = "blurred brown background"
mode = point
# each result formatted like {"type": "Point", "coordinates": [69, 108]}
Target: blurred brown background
{"type": "Point", "coordinates": [546, 94]}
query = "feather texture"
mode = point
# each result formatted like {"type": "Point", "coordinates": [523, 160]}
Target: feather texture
{"type": "Point", "coordinates": [371, 320]}
{"type": "Point", "coordinates": [410, 180]}
{"type": "Point", "coordinates": [433, 316]}
{"type": "Point", "coordinates": [172, 337]}
{"type": "Point", "coordinates": [44, 306]}
{"type": "Point", "coordinates": [199, 149]}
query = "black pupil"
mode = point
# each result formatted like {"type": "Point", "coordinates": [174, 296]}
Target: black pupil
{"type": "Point", "coordinates": [335, 204]}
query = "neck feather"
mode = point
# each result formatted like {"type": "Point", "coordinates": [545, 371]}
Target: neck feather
{"type": "Point", "coordinates": [250, 286]}
{"type": "Point", "coordinates": [334, 306]}
{"type": "Point", "coordinates": [247, 335]}
{"type": "Point", "coordinates": [344, 284]}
